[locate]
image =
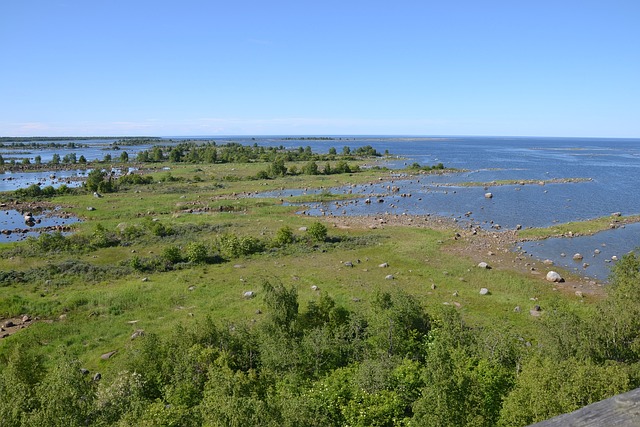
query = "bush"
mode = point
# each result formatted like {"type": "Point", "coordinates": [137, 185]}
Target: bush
{"type": "Point", "coordinates": [196, 252]}
{"type": "Point", "coordinates": [172, 254]}
{"type": "Point", "coordinates": [284, 236]}
{"type": "Point", "coordinates": [318, 232]}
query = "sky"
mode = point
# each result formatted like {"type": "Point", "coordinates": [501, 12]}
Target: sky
{"type": "Point", "coordinates": [348, 67]}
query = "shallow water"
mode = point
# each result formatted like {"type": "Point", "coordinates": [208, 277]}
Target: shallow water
{"type": "Point", "coordinates": [14, 221]}
{"type": "Point", "coordinates": [616, 242]}
{"type": "Point", "coordinates": [612, 165]}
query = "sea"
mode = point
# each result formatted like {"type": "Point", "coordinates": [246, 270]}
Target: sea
{"type": "Point", "coordinates": [603, 175]}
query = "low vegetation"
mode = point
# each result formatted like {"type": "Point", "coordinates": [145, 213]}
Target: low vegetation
{"type": "Point", "coordinates": [199, 305]}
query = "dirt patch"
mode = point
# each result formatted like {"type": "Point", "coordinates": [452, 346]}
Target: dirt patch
{"type": "Point", "coordinates": [9, 327]}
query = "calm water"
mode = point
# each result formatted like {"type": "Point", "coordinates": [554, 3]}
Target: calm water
{"type": "Point", "coordinates": [612, 165]}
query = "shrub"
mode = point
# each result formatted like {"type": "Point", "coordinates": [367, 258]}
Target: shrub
{"type": "Point", "coordinates": [318, 232]}
{"type": "Point", "coordinates": [196, 252]}
{"type": "Point", "coordinates": [284, 236]}
{"type": "Point", "coordinates": [172, 254]}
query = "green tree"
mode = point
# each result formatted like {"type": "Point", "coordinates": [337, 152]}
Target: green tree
{"type": "Point", "coordinates": [64, 397]}
{"type": "Point", "coordinates": [278, 168]}
{"type": "Point", "coordinates": [310, 168]}
{"type": "Point", "coordinates": [94, 179]}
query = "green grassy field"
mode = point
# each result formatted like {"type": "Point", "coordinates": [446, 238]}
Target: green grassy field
{"type": "Point", "coordinates": [99, 312]}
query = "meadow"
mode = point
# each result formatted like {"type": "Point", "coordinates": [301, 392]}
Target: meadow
{"type": "Point", "coordinates": [200, 305]}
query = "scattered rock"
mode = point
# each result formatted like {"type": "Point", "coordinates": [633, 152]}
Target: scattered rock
{"type": "Point", "coordinates": [348, 264]}
{"type": "Point", "coordinates": [455, 293]}
{"type": "Point", "coordinates": [579, 294]}
{"type": "Point", "coordinates": [389, 277]}
{"type": "Point", "coordinates": [597, 251]}
{"type": "Point", "coordinates": [191, 288]}
{"type": "Point", "coordinates": [484, 265]}
{"type": "Point", "coordinates": [488, 195]}
{"type": "Point", "coordinates": [383, 265]}
{"type": "Point", "coordinates": [84, 371]}
{"type": "Point", "coordinates": [248, 294]}
{"type": "Point", "coordinates": [577, 257]}
{"type": "Point", "coordinates": [553, 276]}
{"type": "Point", "coordinates": [8, 324]}
{"type": "Point", "coordinates": [145, 279]}
{"type": "Point", "coordinates": [517, 309]}
{"type": "Point", "coordinates": [433, 286]}
{"type": "Point", "coordinates": [138, 333]}
{"type": "Point", "coordinates": [314, 288]}
{"type": "Point", "coordinates": [616, 214]}
{"type": "Point", "coordinates": [107, 356]}
{"type": "Point", "coordinates": [614, 258]}
{"type": "Point", "coordinates": [97, 376]}
{"type": "Point", "coordinates": [547, 262]}
{"type": "Point", "coordinates": [302, 229]}
{"type": "Point", "coordinates": [484, 291]}
{"type": "Point", "coordinates": [91, 208]}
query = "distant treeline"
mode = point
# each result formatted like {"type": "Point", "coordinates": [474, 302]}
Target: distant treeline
{"type": "Point", "coordinates": [210, 152]}
{"type": "Point", "coordinates": [12, 139]}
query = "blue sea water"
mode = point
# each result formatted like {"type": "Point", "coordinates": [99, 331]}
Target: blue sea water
{"type": "Point", "coordinates": [612, 167]}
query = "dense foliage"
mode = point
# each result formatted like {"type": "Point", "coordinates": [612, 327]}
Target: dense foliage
{"type": "Point", "coordinates": [324, 365]}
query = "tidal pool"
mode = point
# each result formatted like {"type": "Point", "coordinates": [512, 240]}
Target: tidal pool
{"type": "Point", "coordinates": [14, 227]}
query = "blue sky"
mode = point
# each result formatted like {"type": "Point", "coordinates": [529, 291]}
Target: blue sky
{"type": "Point", "coordinates": [190, 67]}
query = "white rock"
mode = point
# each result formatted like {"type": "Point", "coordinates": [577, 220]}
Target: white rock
{"type": "Point", "coordinates": [483, 265]}
{"type": "Point", "coordinates": [484, 291]}
{"type": "Point", "coordinates": [248, 294]}
{"type": "Point", "coordinates": [577, 257]}
{"type": "Point", "coordinates": [488, 195]}
{"type": "Point", "coordinates": [553, 276]}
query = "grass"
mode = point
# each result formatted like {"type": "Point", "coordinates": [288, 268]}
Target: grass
{"type": "Point", "coordinates": [577, 228]}
{"type": "Point", "coordinates": [97, 313]}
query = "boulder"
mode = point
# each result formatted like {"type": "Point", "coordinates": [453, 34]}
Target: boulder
{"type": "Point", "coordinates": [107, 356]}
{"type": "Point", "coordinates": [488, 195]}
{"type": "Point", "coordinates": [553, 276]}
{"type": "Point", "coordinates": [577, 257]}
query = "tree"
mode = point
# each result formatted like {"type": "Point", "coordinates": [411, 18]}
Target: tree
{"type": "Point", "coordinates": [278, 168]}
{"type": "Point", "coordinates": [65, 396]}
{"type": "Point", "coordinates": [310, 168]}
{"type": "Point", "coordinates": [55, 160]}
{"type": "Point", "coordinates": [94, 179]}
{"type": "Point", "coordinates": [124, 157]}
